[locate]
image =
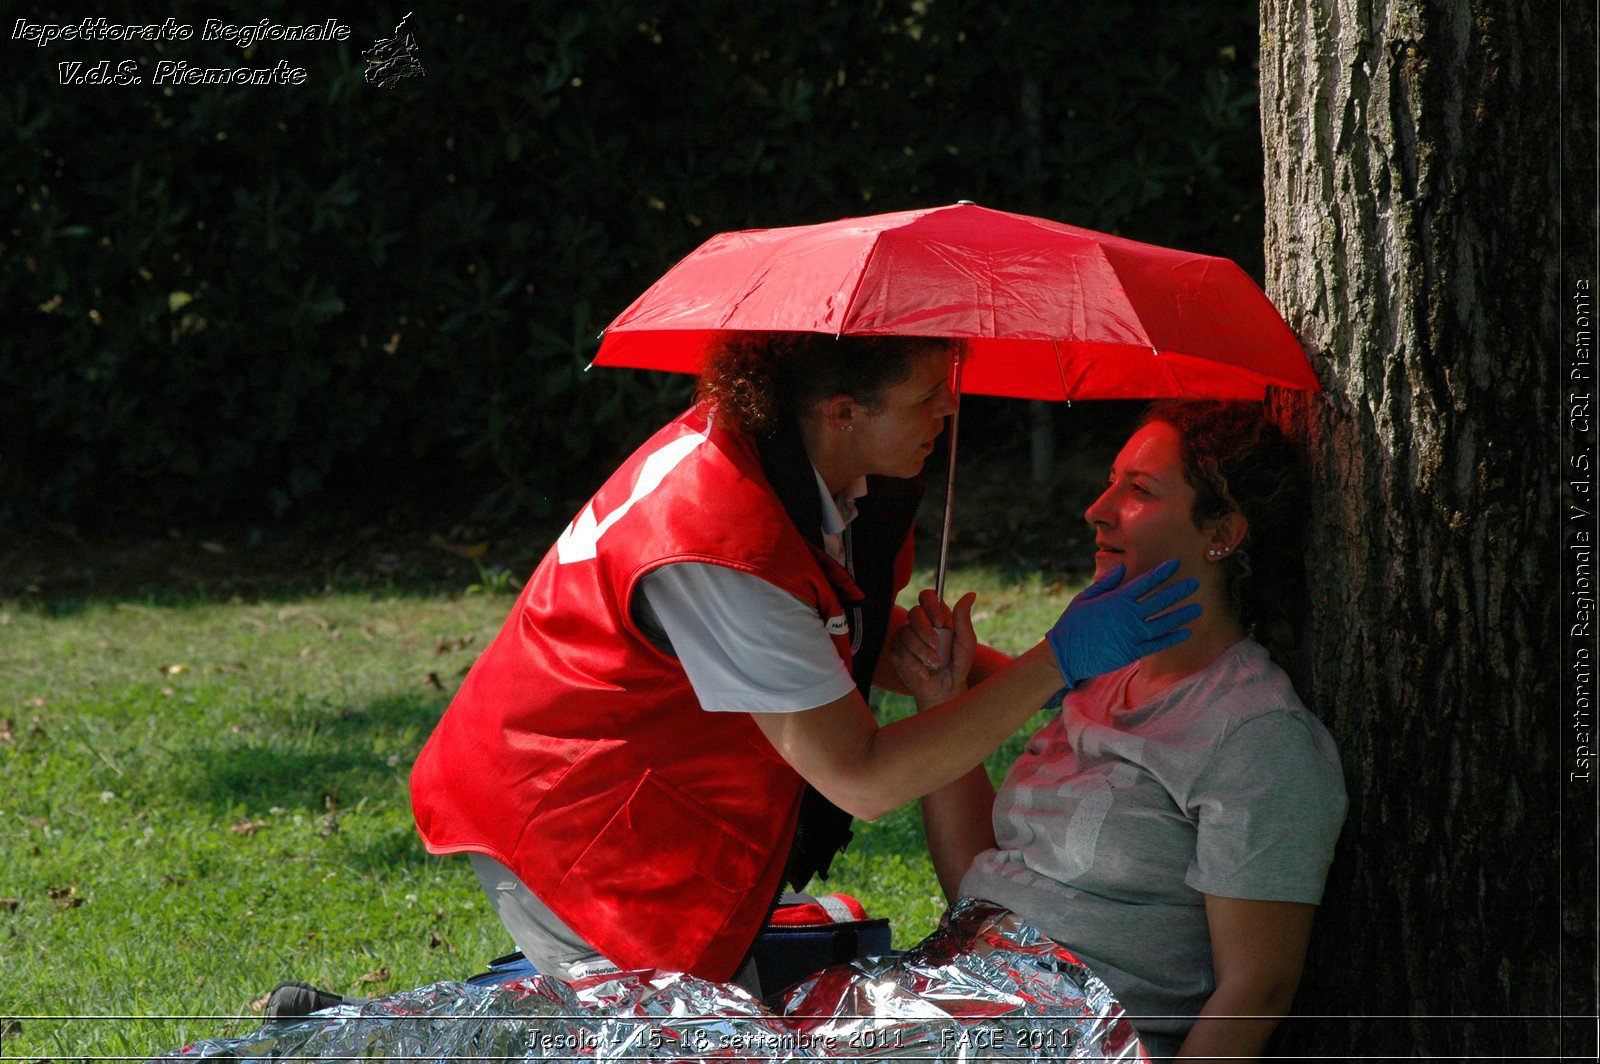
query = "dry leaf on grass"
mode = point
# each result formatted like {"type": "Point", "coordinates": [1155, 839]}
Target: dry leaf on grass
{"type": "Point", "coordinates": [379, 976]}
{"type": "Point", "coordinates": [65, 897]}
{"type": "Point", "coordinates": [248, 827]}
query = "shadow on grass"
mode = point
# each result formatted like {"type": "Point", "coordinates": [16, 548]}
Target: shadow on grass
{"type": "Point", "coordinates": [395, 848]}
{"type": "Point", "coordinates": [301, 763]}
{"type": "Point", "coordinates": [1004, 520]}
{"type": "Point", "coordinates": [62, 574]}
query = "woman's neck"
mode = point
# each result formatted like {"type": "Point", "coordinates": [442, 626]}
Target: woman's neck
{"type": "Point", "coordinates": [829, 455]}
{"type": "Point", "coordinates": [1209, 636]}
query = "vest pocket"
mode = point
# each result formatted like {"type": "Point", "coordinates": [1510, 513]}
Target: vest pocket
{"type": "Point", "coordinates": [662, 876]}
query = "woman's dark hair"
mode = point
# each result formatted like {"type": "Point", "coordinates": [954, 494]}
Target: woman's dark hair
{"type": "Point", "coordinates": [758, 381]}
{"type": "Point", "coordinates": [1237, 460]}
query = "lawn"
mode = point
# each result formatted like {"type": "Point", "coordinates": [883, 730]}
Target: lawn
{"type": "Point", "coordinates": [203, 796]}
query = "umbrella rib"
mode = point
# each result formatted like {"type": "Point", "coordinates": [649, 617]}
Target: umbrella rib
{"type": "Point", "coordinates": [861, 275]}
{"type": "Point", "coordinates": [1061, 370]}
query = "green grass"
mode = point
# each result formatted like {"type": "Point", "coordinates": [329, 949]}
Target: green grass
{"type": "Point", "coordinates": [202, 798]}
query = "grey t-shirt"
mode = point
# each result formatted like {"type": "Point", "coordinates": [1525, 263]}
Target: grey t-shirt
{"type": "Point", "coordinates": [1115, 822]}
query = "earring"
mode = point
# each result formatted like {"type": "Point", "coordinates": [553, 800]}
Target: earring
{"type": "Point", "coordinates": [849, 428]}
{"type": "Point", "coordinates": [1216, 552]}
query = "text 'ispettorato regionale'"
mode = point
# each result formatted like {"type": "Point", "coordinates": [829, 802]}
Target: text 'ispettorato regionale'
{"type": "Point", "coordinates": [176, 71]}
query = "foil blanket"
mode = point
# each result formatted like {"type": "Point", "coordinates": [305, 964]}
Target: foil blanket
{"type": "Point", "coordinates": [984, 986]}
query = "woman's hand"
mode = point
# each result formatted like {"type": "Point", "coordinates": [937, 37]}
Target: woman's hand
{"type": "Point", "coordinates": [916, 651]}
{"type": "Point", "coordinates": [1108, 626]}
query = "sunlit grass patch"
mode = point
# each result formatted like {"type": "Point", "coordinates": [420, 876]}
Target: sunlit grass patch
{"type": "Point", "coordinates": [203, 798]}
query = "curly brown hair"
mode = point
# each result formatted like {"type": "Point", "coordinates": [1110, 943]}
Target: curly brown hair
{"type": "Point", "coordinates": [1238, 461]}
{"type": "Point", "coordinates": [758, 381]}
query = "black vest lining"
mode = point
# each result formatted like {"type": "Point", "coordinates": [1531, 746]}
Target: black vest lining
{"type": "Point", "coordinates": [884, 517]}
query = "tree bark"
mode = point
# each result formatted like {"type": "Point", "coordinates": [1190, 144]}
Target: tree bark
{"type": "Point", "coordinates": [1411, 216]}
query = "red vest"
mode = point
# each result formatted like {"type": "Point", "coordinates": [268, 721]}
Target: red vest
{"type": "Point", "coordinates": [576, 753]}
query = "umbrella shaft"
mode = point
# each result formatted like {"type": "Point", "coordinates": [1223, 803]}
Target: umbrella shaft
{"type": "Point", "coordinates": [949, 489]}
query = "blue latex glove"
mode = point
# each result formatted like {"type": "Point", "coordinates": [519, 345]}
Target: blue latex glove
{"type": "Point", "coordinates": [1107, 627]}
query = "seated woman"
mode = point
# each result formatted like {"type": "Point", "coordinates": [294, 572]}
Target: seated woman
{"type": "Point", "coordinates": [1173, 826]}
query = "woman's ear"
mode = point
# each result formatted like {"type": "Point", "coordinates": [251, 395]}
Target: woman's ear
{"type": "Point", "coordinates": [840, 413]}
{"type": "Point", "coordinates": [1225, 534]}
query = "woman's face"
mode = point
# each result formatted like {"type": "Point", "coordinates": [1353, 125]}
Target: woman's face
{"type": "Point", "coordinates": [895, 436]}
{"type": "Point", "coordinates": [1143, 516]}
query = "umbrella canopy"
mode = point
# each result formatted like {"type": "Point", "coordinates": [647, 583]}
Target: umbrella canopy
{"type": "Point", "coordinates": [1049, 311]}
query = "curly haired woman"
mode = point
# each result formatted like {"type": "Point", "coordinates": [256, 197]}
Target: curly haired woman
{"type": "Point", "coordinates": [1173, 826]}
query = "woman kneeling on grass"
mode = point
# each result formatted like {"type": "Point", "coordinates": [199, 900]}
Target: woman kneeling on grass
{"type": "Point", "coordinates": [1173, 826]}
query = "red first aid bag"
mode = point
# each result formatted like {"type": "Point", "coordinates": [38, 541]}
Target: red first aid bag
{"type": "Point", "coordinates": [807, 934]}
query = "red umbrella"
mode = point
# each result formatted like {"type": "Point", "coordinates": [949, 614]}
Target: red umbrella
{"type": "Point", "coordinates": [1048, 311]}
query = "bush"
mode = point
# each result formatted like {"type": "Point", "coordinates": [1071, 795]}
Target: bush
{"type": "Point", "coordinates": [249, 300]}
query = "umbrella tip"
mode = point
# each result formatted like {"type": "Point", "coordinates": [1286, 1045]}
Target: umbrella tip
{"type": "Point", "coordinates": [965, 203]}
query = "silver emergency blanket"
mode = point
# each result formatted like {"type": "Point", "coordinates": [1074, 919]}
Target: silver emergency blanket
{"type": "Point", "coordinates": [984, 986]}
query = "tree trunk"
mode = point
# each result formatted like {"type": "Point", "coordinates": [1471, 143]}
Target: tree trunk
{"type": "Point", "coordinates": [1411, 223]}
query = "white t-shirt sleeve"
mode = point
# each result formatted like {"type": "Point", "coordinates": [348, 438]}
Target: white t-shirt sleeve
{"type": "Point", "coordinates": [746, 645]}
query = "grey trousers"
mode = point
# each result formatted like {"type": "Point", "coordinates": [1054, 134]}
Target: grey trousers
{"type": "Point", "coordinates": [544, 938]}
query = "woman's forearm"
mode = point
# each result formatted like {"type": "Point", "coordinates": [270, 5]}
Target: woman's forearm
{"type": "Point", "coordinates": [1236, 1022]}
{"type": "Point", "coordinates": [911, 757]}
{"type": "Point", "coordinates": [1258, 949]}
{"type": "Point", "coordinates": [987, 661]}
{"type": "Point", "coordinates": [958, 820]}
{"type": "Point", "coordinates": [868, 770]}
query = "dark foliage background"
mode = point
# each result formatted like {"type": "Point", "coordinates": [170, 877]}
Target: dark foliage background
{"type": "Point", "coordinates": [262, 301]}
